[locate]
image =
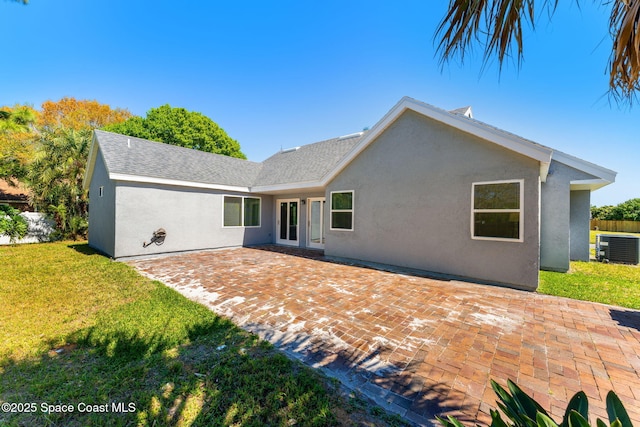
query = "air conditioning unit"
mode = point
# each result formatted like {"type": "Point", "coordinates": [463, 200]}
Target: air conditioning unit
{"type": "Point", "coordinates": [618, 248]}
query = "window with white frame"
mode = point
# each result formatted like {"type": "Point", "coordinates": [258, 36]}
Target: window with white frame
{"type": "Point", "coordinates": [497, 212]}
{"type": "Point", "coordinates": [341, 210]}
{"type": "Point", "coordinates": [251, 212]}
{"type": "Point", "coordinates": [241, 211]}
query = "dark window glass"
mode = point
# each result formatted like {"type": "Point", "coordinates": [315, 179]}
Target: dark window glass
{"type": "Point", "coordinates": [497, 196]}
{"type": "Point", "coordinates": [283, 220]}
{"type": "Point", "coordinates": [497, 224]}
{"type": "Point", "coordinates": [342, 201]}
{"type": "Point", "coordinates": [251, 212]}
{"type": "Point", "coordinates": [342, 220]}
{"type": "Point", "coordinates": [342, 210]}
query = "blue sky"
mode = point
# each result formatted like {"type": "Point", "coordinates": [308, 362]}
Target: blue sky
{"type": "Point", "coordinates": [286, 73]}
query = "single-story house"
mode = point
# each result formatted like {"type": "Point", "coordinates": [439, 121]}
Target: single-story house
{"type": "Point", "coordinates": [16, 197]}
{"type": "Point", "coordinates": [424, 188]}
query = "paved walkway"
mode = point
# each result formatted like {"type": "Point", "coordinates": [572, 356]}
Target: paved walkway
{"type": "Point", "coordinates": [418, 346]}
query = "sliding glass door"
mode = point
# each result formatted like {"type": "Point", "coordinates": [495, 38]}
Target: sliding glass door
{"type": "Point", "coordinates": [287, 222]}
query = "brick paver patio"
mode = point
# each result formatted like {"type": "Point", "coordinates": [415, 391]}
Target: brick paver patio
{"type": "Point", "coordinates": [417, 346]}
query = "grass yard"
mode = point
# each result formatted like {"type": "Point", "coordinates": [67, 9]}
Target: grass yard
{"type": "Point", "coordinates": [87, 341]}
{"type": "Point", "coordinates": [615, 284]}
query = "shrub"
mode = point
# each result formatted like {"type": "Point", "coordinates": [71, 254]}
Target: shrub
{"type": "Point", "coordinates": [522, 411]}
{"type": "Point", "coordinates": [12, 224]}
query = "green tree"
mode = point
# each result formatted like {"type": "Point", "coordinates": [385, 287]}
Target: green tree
{"type": "Point", "coordinates": [17, 119]}
{"type": "Point", "coordinates": [602, 212]}
{"type": "Point", "coordinates": [60, 143]}
{"type": "Point", "coordinates": [627, 211]}
{"type": "Point", "coordinates": [55, 178]}
{"type": "Point", "coordinates": [16, 141]}
{"type": "Point", "coordinates": [496, 25]}
{"type": "Point", "coordinates": [178, 126]}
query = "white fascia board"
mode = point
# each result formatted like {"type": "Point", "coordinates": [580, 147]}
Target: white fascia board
{"type": "Point", "coordinates": [526, 148]}
{"type": "Point", "coordinates": [584, 166]}
{"type": "Point", "coordinates": [288, 188]}
{"type": "Point", "coordinates": [93, 154]}
{"type": "Point", "coordinates": [175, 182]}
{"type": "Point", "coordinates": [588, 184]}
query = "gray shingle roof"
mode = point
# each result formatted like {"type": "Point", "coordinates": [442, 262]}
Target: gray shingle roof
{"type": "Point", "coordinates": [307, 163]}
{"type": "Point", "coordinates": [134, 156]}
{"type": "Point", "coordinates": [139, 157]}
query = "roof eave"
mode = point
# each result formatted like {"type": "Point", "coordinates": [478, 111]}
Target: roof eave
{"type": "Point", "coordinates": [588, 184]}
{"type": "Point", "coordinates": [288, 188]}
{"type": "Point", "coordinates": [177, 183]}
{"type": "Point", "coordinates": [602, 173]}
{"type": "Point", "coordinates": [544, 171]}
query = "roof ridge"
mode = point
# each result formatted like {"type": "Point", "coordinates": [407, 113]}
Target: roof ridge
{"type": "Point", "coordinates": [175, 147]}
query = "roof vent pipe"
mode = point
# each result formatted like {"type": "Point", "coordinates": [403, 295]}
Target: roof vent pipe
{"type": "Point", "coordinates": [128, 143]}
{"type": "Point", "coordinates": [351, 135]}
{"type": "Point", "coordinates": [289, 150]}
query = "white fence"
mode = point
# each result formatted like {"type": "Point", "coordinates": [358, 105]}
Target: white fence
{"type": "Point", "coordinates": [40, 228]}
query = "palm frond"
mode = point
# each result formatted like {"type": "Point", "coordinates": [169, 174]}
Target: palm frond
{"type": "Point", "coordinates": [624, 63]}
{"type": "Point", "coordinates": [497, 25]}
{"type": "Point", "coordinates": [56, 175]}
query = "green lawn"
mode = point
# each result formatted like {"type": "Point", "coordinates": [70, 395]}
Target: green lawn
{"type": "Point", "coordinates": [615, 284]}
{"type": "Point", "coordinates": [87, 341]}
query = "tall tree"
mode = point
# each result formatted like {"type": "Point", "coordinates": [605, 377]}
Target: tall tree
{"type": "Point", "coordinates": [56, 169]}
{"type": "Point", "coordinates": [81, 114]}
{"type": "Point", "coordinates": [16, 141]}
{"type": "Point", "coordinates": [497, 26]}
{"type": "Point", "coordinates": [55, 178]}
{"type": "Point", "coordinates": [178, 126]}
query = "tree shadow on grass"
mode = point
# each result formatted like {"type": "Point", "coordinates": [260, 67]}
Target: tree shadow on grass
{"type": "Point", "coordinates": [219, 376]}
